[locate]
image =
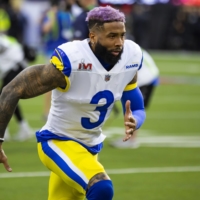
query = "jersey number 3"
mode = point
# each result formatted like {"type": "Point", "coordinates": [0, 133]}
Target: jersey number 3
{"type": "Point", "coordinates": [106, 94]}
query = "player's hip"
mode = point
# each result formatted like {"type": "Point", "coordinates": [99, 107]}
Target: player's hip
{"type": "Point", "coordinates": [73, 163]}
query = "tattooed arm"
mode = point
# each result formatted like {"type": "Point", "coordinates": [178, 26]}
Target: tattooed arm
{"type": "Point", "coordinates": [31, 82]}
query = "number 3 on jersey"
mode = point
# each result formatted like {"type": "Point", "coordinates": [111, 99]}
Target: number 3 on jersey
{"type": "Point", "coordinates": [106, 94]}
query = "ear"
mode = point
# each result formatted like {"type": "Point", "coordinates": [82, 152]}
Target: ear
{"type": "Point", "coordinates": [93, 37]}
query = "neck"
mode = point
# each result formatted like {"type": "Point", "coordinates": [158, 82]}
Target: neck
{"type": "Point", "coordinates": [107, 66]}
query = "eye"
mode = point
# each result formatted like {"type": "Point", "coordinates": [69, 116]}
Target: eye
{"type": "Point", "coordinates": [123, 36]}
{"type": "Point", "coordinates": [112, 36]}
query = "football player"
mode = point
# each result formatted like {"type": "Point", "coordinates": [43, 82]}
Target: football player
{"type": "Point", "coordinates": [86, 77]}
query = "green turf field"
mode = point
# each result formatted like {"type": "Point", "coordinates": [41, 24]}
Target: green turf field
{"type": "Point", "coordinates": [166, 166]}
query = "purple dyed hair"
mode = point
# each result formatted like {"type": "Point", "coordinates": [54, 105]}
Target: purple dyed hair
{"type": "Point", "coordinates": [101, 15]}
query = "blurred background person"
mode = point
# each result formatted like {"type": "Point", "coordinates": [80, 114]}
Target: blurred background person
{"type": "Point", "coordinates": [74, 7]}
{"type": "Point", "coordinates": [12, 62]}
{"type": "Point", "coordinates": [15, 22]}
{"type": "Point", "coordinates": [56, 29]}
{"type": "Point", "coordinates": [4, 17]}
{"type": "Point", "coordinates": [148, 79]}
{"type": "Point", "coordinates": [33, 11]}
{"type": "Point", "coordinates": [80, 25]}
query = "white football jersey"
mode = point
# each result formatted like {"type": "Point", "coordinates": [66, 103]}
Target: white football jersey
{"type": "Point", "coordinates": [80, 110]}
{"type": "Point", "coordinates": [149, 71]}
{"type": "Point", "coordinates": [11, 53]}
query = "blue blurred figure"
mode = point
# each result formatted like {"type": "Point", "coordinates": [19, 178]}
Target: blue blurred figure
{"type": "Point", "coordinates": [55, 27]}
{"type": "Point", "coordinates": [80, 27]}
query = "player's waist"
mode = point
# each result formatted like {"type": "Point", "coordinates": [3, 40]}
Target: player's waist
{"type": "Point", "coordinates": [45, 135]}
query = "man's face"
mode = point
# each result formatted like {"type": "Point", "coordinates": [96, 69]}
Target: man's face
{"type": "Point", "coordinates": [109, 42]}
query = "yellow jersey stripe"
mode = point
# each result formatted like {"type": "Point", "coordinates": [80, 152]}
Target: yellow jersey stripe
{"type": "Point", "coordinates": [67, 87]}
{"type": "Point", "coordinates": [130, 87]}
{"type": "Point", "coordinates": [55, 61]}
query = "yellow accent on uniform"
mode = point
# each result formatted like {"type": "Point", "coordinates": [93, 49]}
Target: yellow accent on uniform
{"type": "Point", "coordinates": [86, 163]}
{"type": "Point", "coordinates": [59, 65]}
{"type": "Point", "coordinates": [55, 61]}
{"type": "Point", "coordinates": [67, 87]}
{"type": "Point", "coordinates": [130, 87]}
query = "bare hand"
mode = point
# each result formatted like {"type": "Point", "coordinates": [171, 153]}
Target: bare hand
{"type": "Point", "coordinates": [129, 122]}
{"type": "Point", "coordinates": [4, 160]}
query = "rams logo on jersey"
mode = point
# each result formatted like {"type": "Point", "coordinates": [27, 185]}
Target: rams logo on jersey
{"type": "Point", "coordinates": [131, 66]}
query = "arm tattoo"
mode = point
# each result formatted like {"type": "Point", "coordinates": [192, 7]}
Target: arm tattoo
{"type": "Point", "coordinates": [96, 178]}
{"type": "Point", "coordinates": [31, 82]}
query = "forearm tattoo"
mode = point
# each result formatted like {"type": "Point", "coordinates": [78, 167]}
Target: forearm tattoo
{"type": "Point", "coordinates": [98, 177]}
{"type": "Point", "coordinates": [31, 82]}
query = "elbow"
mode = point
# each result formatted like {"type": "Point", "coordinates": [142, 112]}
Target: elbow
{"type": "Point", "coordinates": [10, 93]}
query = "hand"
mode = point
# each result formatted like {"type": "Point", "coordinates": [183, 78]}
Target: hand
{"type": "Point", "coordinates": [129, 122]}
{"type": "Point", "coordinates": [4, 160]}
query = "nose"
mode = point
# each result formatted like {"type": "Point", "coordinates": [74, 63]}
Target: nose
{"type": "Point", "coordinates": [119, 42]}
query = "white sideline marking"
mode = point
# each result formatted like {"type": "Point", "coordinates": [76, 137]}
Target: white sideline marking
{"type": "Point", "coordinates": [190, 115]}
{"type": "Point", "coordinates": [111, 171]}
{"type": "Point", "coordinates": [23, 174]}
{"type": "Point", "coordinates": [149, 138]}
{"type": "Point", "coordinates": [154, 170]}
{"type": "Point", "coordinates": [152, 139]}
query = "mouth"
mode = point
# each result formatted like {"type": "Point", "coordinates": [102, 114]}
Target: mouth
{"type": "Point", "coordinates": [115, 53]}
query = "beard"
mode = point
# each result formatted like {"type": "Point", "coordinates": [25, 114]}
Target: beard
{"type": "Point", "coordinates": [101, 52]}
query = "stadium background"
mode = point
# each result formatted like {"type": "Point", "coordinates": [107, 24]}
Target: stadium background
{"type": "Point", "coordinates": [167, 164]}
{"type": "Point", "coordinates": [162, 24]}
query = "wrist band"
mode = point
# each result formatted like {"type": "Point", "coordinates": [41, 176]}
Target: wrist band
{"type": "Point", "coordinates": [1, 139]}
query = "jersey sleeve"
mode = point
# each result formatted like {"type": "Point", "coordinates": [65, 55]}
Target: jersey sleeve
{"type": "Point", "coordinates": [141, 63]}
{"type": "Point", "coordinates": [61, 62]}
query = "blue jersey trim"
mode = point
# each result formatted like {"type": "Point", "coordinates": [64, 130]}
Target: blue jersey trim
{"type": "Point", "coordinates": [65, 60]}
{"type": "Point", "coordinates": [46, 135]}
{"type": "Point", "coordinates": [141, 62]}
{"type": "Point", "coordinates": [62, 164]}
{"type": "Point", "coordinates": [104, 64]}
